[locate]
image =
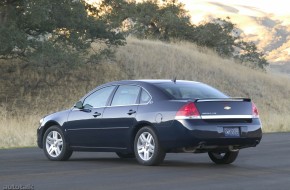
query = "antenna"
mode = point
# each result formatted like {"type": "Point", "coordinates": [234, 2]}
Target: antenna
{"type": "Point", "coordinates": [174, 80]}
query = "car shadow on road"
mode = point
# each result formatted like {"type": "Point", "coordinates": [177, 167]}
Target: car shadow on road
{"type": "Point", "coordinates": [192, 164]}
{"type": "Point", "coordinates": [166, 163]}
{"type": "Point", "coordinates": [105, 160]}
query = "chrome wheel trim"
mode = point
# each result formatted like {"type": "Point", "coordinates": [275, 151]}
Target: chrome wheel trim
{"type": "Point", "coordinates": [54, 144]}
{"type": "Point", "coordinates": [145, 146]}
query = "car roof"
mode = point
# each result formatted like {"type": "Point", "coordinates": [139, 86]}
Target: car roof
{"type": "Point", "coordinates": [149, 81]}
{"type": "Point", "coordinates": [143, 82]}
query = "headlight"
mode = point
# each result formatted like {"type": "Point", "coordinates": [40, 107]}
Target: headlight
{"type": "Point", "coordinates": [41, 120]}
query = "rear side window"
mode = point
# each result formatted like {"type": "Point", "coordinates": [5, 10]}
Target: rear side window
{"type": "Point", "coordinates": [99, 98]}
{"type": "Point", "coordinates": [126, 95]}
{"type": "Point", "coordinates": [145, 97]}
{"type": "Point", "coordinates": [190, 90]}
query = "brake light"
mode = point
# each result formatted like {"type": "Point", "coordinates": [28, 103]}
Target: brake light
{"type": "Point", "coordinates": [255, 112]}
{"type": "Point", "coordinates": [188, 111]}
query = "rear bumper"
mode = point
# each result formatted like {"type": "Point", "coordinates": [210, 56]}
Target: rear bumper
{"type": "Point", "coordinates": [209, 135]}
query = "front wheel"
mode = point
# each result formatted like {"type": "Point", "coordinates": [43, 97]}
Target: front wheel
{"type": "Point", "coordinates": [54, 145]}
{"type": "Point", "coordinates": [147, 149]}
{"type": "Point", "coordinates": [223, 157]}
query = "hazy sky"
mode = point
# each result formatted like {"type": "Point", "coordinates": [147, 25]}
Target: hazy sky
{"type": "Point", "coordinates": [274, 9]}
{"type": "Point", "coordinates": [278, 7]}
{"type": "Point", "coordinates": [266, 22]}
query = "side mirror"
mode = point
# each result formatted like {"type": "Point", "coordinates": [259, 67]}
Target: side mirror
{"type": "Point", "coordinates": [79, 105]}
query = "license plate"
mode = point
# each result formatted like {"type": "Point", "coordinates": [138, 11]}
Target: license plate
{"type": "Point", "coordinates": [231, 131]}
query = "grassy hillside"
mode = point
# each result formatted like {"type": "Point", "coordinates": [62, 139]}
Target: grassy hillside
{"type": "Point", "coordinates": [26, 94]}
{"type": "Point", "coordinates": [281, 69]}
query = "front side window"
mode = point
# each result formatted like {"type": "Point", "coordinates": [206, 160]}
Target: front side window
{"type": "Point", "coordinates": [126, 95]}
{"type": "Point", "coordinates": [99, 98]}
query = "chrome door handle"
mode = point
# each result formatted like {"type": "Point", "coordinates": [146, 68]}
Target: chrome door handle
{"type": "Point", "coordinates": [131, 112]}
{"type": "Point", "coordinates": [96, 114]}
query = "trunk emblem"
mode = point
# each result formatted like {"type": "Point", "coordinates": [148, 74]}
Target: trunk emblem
{"type": "Point", "coordinates": [227, 108]}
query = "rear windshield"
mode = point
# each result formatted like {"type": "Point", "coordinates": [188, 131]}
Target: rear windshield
{"type": "Point", "coordinates": [190, 90]}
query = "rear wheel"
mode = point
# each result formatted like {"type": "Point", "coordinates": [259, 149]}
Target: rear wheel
{"type": "Point", "coordinates": [147, 149]}
{"type": "Point", "coordinates": [54, 145]}
{"type": "Point", "coordinates": [125, 155]}
{"type": "Point", "coordinates": [223, 157]}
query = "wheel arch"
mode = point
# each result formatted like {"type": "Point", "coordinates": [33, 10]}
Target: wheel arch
{"type": "Point", "coordinates": [44, 129]}
{"type": "Point", "coordinates": [136, 128]}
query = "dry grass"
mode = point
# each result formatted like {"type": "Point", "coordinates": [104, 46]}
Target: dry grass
{"type": "Point", "coordinates": [17, 131]}
{"type": "Point", "coordinates": [284, 69]}
{"type": "Point", "coordinates": [23, 105]}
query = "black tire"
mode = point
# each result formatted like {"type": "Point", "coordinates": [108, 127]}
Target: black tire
{"type": "Point", "coordinates": [223, 158]}
{"type": "Point", "coordinates": [125, 155]}
{"type": "Point", "coordinates": [63, 153]}
{"type": "Point", "coordinates": [155, 156]}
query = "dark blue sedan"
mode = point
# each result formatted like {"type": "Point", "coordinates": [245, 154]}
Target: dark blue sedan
{"type": "Point", "coordinates": [146, 119]}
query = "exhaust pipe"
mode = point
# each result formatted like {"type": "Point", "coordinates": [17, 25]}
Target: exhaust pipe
{"type": "Point", "coordinates": [188, 150]}
{"type": "Point", "coordinates": [233, 149]}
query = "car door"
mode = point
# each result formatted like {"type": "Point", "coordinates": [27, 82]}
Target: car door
{"type": "Point", "coordinates": [83, 125]}
{"type": "Point", "coordinates": [119, 117]}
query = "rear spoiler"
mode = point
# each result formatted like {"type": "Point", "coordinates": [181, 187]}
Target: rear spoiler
{"type": "Point", "coordinates": [223, 100]}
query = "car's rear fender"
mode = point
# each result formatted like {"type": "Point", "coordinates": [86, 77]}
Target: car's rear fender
{"type": "Point", "coordinates": [133, 131]}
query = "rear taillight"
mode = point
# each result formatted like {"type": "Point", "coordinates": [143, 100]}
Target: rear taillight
{"type": "Point", "coordinates": [188, 111]}
{"type": "Point", "coordinates": [255, 112]}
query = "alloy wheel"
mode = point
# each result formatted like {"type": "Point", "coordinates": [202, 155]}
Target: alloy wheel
{"type": "Point", "coordinates": [54, 144]}
{"type": "Point", "coordinates": [145, 146]}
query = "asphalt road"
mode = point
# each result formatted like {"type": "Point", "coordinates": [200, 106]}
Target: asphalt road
{"type": "Point", "coordinates": [264, 167]}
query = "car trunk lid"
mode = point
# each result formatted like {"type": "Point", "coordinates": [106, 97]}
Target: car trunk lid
{"type": "Point", "coordinates": [229, 108]}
